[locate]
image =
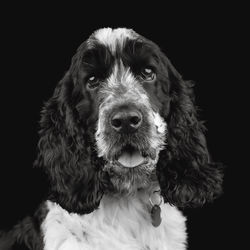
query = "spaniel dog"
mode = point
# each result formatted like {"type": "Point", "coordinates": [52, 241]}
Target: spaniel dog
{"type": "Point", "coordinates": [123, 149]}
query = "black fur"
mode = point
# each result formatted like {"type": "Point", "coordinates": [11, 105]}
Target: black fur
{"type": "Point", "coordinates": [66, 151]}
{"type": "Point", "coordinates": [186, 173]}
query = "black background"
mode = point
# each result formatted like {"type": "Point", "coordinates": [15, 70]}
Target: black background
{"type": "Point", "coordinates": [203, 42]}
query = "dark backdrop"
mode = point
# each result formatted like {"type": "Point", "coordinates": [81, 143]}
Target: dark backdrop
{"type": "Point", "coordinates": [38, 43]}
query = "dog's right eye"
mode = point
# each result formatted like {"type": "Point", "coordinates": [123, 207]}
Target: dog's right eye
{"type": "Point", "coordinates": [148, 74]}
{"type": "Point", "coordinates": [92, 82]}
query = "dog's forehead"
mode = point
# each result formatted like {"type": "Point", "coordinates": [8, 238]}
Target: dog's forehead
{"type": "Point", "coordinates": [114, 38]}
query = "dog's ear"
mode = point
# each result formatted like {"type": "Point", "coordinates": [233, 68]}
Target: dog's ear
{"type": "Point", "coordinates": [186, 174]}
{"type": "Point", "coordinates": [66, 151]}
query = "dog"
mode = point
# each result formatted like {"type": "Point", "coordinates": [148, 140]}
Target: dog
{"type": "Point", "coordinates": [123, 149]}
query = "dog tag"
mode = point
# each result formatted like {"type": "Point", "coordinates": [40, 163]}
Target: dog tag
{"type": "Point", "coordinates": [156, 215]}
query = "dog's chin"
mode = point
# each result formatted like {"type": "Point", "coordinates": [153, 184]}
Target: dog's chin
{"type": "Point", "coordinates": [132, 170]}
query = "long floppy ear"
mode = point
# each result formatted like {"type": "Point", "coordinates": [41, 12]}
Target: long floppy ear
{"type": "Point", "coordinates": [186, 174]}
{"type": "Point", "coordinates": [66, 150]}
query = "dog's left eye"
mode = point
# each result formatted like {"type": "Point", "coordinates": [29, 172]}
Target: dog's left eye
{"type": "Point", "coordinates": [148, 74]}
{"type": "Point", "coordinates": [92, 82]}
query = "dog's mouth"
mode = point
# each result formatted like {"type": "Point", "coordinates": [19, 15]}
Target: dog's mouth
{"type": "Point", "coordinates": [131, 157]}
{"type": "Point", "coordinates": [132, 168]}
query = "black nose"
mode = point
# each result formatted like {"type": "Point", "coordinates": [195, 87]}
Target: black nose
{"type": "Point", "coordinates": [126, 121]}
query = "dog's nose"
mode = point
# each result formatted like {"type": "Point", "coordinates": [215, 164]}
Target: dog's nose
{"type": "Point", "coordinates": [126, 121]}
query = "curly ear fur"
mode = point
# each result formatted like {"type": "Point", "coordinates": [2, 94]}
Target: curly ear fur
{"type": "Point", "coordinates": [66, 150]}
{"type": "Point", "coordinates": [186, 174]}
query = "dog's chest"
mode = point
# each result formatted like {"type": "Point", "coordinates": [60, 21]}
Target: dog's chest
{"type": "Point", "coordinates": [115, 225]}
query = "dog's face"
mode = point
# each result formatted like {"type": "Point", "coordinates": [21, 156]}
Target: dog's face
{"type": "Point", "coordinates": [122, 116]}
{"type": "Point", "coordinates": [123, 74]}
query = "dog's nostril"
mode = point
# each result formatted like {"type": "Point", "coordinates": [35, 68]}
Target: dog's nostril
{"type": "Point", "coordinates": [116, 123]}
{"type": "Point", "coordinates": [135, 120]}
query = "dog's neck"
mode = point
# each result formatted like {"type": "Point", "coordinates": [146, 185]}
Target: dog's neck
{"type": "Point", "coordinates": [140, 202]}
{"type": "Point", "coordinates": [141, 194]}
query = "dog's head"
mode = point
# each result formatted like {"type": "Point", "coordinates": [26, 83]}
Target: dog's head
{"type": "Point", "coordinates": [120, 119]}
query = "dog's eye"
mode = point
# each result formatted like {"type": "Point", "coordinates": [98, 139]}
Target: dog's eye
{"type": "Point", "coordinates": [148, 74]}
{"type": "Point", "coordinates": [92, 82]}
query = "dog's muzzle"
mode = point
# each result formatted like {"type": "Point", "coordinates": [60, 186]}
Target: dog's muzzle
{"type": "Point", "coordinates": [125, 121]}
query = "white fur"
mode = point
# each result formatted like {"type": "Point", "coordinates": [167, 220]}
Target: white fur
{"type": "Point", "coordinates": [119, 224]}
{"type": "Point", "coordinates": [159, 123]}
{"type": "Point", "coordinates": [112, 37]}
{"type": "Point", "coordinates": [158, 131]}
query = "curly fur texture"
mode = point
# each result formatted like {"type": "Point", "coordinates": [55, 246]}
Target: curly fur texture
{"type": "Point", "coordinates": [67, 153]}
{"type": "Point", "coordinates": [77, 147]}
{"type": "Point", "coordinates": [186, 174]}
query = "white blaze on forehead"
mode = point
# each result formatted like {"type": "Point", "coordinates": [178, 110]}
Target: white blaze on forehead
{"type": "Point", "coordinates": [130, 90]}
{"type": "Point", "coordinates": [111, 37]}
{"type": "Point", "coordinates": [121, 75]}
